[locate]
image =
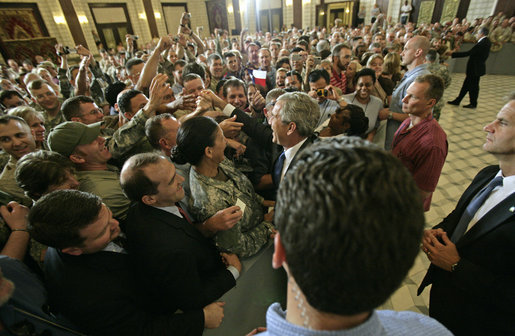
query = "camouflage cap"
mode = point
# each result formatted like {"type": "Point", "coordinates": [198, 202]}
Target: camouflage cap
{"type": "Point", "coordinates": [68, 135]}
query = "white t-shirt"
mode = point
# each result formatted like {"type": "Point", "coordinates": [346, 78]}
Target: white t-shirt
{"type": "Point", "coordinates": [406, 9]}
{"type": "Point", "coordinates": [371, 109]}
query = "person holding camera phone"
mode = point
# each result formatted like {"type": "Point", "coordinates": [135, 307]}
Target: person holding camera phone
{"type": "Point", "coordinates": [328, 100]}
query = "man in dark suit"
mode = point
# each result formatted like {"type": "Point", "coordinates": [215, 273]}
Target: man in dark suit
{"type": "Point", "coordinates": [475, 68]}
{"type": "Point", "coordinates": [292, 122]}
{"type": "Point", "coordinates": [180, 266]}
{"type": "Point", "coordinates": [89, 277]}
{"type": "Point", "coordinates": [471, 252]}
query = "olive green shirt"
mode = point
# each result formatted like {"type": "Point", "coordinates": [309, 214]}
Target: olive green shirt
{"type": "Point", "coordinates": [106, 185]}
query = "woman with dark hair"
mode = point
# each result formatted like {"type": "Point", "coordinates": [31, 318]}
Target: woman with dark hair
{"type": "Point", "coordinates": [216, 184]}
{"type": "Point", "coordinates": [349, 120]}
{"type": "Point", "coordinates": [362, 97]}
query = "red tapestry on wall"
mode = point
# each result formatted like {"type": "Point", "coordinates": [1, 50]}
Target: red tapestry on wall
{"type": "Point", "coordinates": [23, 49]}
{"type": "Point", "coordinates": [217, 14]}
{"type": "Point", "coordinates": [19, 24]}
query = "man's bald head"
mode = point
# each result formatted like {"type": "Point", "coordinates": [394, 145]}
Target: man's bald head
{"type": "Point", "coordinates": [421, 42]}
{"type": "Point", "coordinates": [415, 51]}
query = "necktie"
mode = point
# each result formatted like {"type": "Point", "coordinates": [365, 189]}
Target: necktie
{"type": "Point", "coordinates": [278, 168]}
{"type": "Point", "coordinates": [121, 241]}
{"type": "Point", "coordinates": [183, 213]}
{"type": "Point", "coordinates": [473, 207]}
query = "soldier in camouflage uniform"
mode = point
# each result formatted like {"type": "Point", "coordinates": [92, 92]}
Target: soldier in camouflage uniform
{"type": "Point", "coordinates": [440, 70]}
{"type": "Point", "coordinates": [45, 100]}
{"type": "Point", "coordinates": [209, 195]}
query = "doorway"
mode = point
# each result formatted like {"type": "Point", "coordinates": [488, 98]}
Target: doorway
{"type": "Point", "coordinates": [343, 11]}
{"type": "Point", "coordinates": [112, 22]}
{"type": "Point", "coordinates": [270, 20]}
{"type": "Point", "coordinates": [172, 15]}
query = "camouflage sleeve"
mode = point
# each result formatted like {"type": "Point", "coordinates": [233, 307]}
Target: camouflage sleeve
{"type": "Point", "coordinates": [97, 93]}
{"type": "Point", "coordinates": [447, 78]}
{"type": "Point", "coordinates": [124, 139]}
{"type": "Point", "coordinates": [37, 252]}
{"type": "Point", "coordinates": [96, 71]}
{"type": "Point", "coordinates": [244, 244]}
{"type": "Point", "coordinates": [248, 235]}
{"type": "Point", "coordinates": [65, 86]}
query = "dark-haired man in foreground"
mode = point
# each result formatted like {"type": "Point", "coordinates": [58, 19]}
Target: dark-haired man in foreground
{"type": "Point", "coordinates": [346, 266]}
{"type": "Point", "coordinates": [89, 277]}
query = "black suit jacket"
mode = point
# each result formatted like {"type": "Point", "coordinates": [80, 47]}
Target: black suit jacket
{"type": "Point", "coordinates": [479, 297]}
{"type": "Point", "coordinates": [100, 294]}
{"type": "Point", "coordinates": [263, 134]}
{"type": "Point", "coordinates": [478, 55]}
{"type": "Point", "coordinates": [182, 268]}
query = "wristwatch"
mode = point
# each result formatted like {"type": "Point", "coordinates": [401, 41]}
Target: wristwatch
{"type": "Point", "coordinates": [454, 266]}
{"type": "Point", "coordinates": [390, 115]}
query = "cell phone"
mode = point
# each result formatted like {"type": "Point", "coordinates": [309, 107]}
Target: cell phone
{"type": "Point", "coordinates": [134, 37]}
{"type": "Point", "coordinates": [317, 60]}
{"type": "Point", "coordinates": [67, 50]}
{"type": "Point", "coordinates": [296, 57]}
{"type": "Point", "coordinates": [187, 16]}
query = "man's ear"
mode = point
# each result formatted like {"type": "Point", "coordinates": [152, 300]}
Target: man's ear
{"type": "Point", "coordinates": [163, 143]}
{"type": "Point", "coordinates": [432, 102]}
{"type": "Point", "coordinates": [148, 199]}
{"type": "Point", "coordinates": [75, 251]}
{"type": "Point", "coordinates": [76, 159]}
{"type": "Point", "coordinates": [292, 127]}
{"type": "Point", "coordinates": [279, 256]}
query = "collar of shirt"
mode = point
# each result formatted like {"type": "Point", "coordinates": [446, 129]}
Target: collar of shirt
{"type": "Point", "coordinates": [278, 325]}
{"type": "Point", "coordinates": [171, 209]}
{"type": "Point", "coordinates": [508, 181]}
{"type": "Point", "coordinates": [481, 39]}
{"type": "Point", "coordinates": [498, 194]}
{"type": "Point", "coordinates": [407, 125]}
{"type": "Point", "coordinates": [338, 75]}
{"type": "Point", "coordinates": [113, 247]}
{"type": "Point", "coordinates": [416, 70]}
{"type": "Point", "coordinates": [289, 154]}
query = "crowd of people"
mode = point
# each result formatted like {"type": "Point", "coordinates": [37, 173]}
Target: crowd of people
{"type": "Point", "coordinates": [169, 158]}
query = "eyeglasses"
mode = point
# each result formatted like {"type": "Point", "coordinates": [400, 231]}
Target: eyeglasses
{"type": "Point", "coordinates": [93, 112]}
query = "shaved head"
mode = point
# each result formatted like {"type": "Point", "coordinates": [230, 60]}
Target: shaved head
{"type": "Point", "coordinates": [421, 42]}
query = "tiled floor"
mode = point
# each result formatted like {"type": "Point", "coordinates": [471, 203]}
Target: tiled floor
{"type": "Point", "coordinates": [464, 128]}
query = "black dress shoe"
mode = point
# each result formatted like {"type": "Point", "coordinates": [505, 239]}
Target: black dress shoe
{"type": "Point", "coordinates": [453, 102]}
{"type": "Point", "coordinates": [469, 106]}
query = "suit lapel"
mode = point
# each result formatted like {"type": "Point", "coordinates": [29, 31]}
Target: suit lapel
{"type": "Point", "coordinates": [176, 222]}
{"type": "Point", "coordinates": [492, 219]}
{"type": "Point", "coordinates": [468, 195]}
{"type": "Point", "coordinates": [306, 143]}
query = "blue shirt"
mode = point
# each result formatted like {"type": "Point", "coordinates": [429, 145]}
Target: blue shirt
{"type": "Point", "coordinates": [380, 323]}
{"type": "Point", "coordinates": [398, 94]}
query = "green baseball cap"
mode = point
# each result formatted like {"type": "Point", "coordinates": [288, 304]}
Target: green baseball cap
{"type": "Point", "coordinates": [66, 136]}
